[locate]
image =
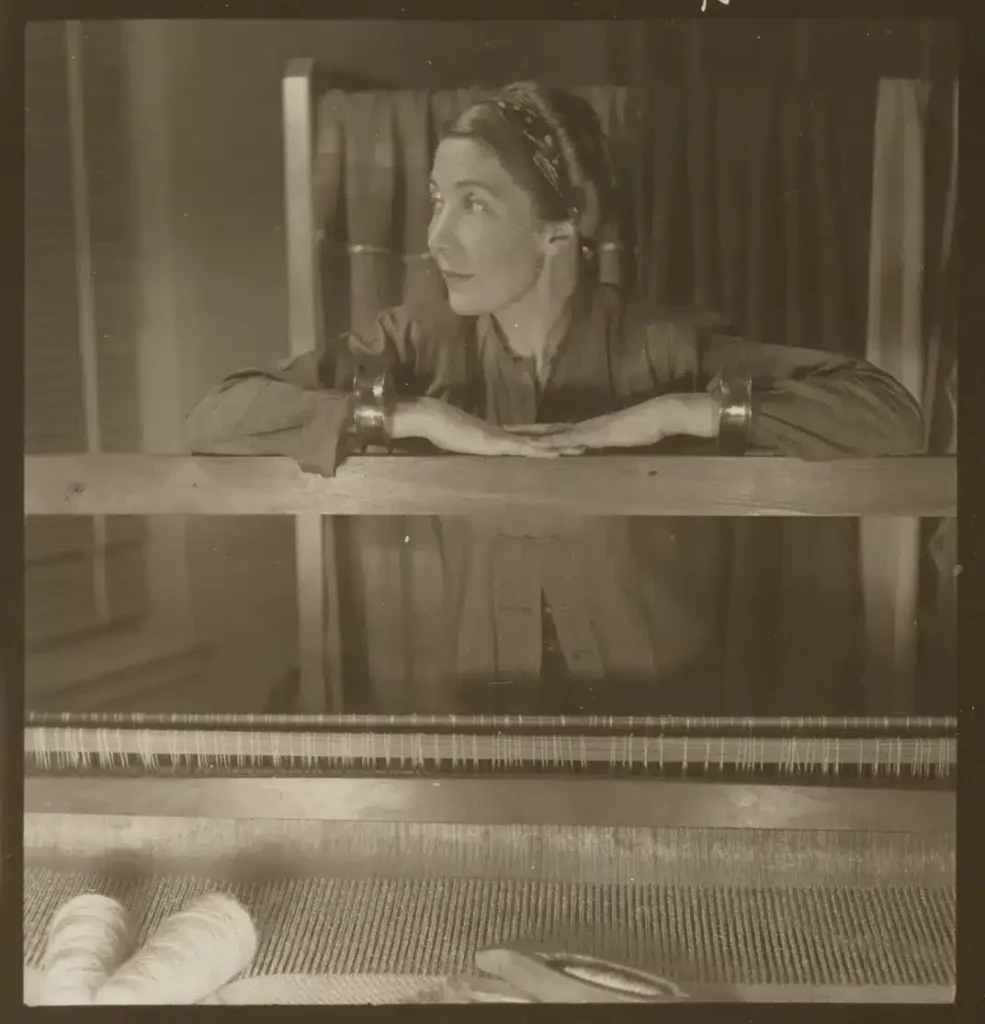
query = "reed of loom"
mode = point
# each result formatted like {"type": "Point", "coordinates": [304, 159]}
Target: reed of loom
{"type": "Point", "coordinates": [765, 859]}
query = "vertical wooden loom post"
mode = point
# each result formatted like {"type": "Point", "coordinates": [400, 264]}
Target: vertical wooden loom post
{"type": "Point", "coordinates": [85, 293]}
{"type": "Point", "coordinates": [317, 584]}
{"type": "Point", "coordinates": [890, 547]}
{"type": "Point", "coordinates": [149, 67]}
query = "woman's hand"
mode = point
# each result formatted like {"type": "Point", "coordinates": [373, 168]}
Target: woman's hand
{"type": "Point", "coordinates": [538, 429]}
{"type": "Point", "coordinates": [636, 427]}
{"type": "Point", "coordinates": [452, 430]}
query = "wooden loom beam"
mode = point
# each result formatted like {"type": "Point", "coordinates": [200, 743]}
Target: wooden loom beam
{"type": "Point", "coordinates": [623, 485]}
{"type": "Point", "coordinates": [537, 802]}
{"type": "Point", "coordinates": [314, 543]}
{"type": "Point", "coordinates": [85, 292]}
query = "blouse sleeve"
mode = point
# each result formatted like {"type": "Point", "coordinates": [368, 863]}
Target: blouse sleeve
{"type": "Point", "coordinates": [301, 408]}
{"type": "Point", "coordinates": [805, 403]}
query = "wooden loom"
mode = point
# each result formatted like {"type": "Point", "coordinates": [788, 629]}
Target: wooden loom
{"type": "Point", "coordinates": [752, 859]}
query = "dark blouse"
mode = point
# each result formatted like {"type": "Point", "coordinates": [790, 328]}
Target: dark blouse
{"type": "Point", "coordinates": [625, 603]}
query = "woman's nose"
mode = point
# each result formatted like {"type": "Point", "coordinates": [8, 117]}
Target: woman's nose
{"type": "Point", "coordinates": [440, 231]}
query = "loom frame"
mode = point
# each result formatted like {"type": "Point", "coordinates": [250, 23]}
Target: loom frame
{"type": "Point", "coordinates": [152, 484]}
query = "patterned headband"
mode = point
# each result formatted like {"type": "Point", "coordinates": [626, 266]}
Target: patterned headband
{"type": "Point", "coordinates": [541, 143]}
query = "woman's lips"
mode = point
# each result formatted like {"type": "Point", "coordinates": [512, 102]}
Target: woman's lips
{"type": "Point", "coordinates": [453, 277]}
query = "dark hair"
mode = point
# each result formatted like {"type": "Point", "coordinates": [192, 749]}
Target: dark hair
{"type": "Point", "coordinates": [551, 141]}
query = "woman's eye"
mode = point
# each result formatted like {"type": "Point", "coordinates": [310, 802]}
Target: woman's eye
{"type": "Point", "coordinates": [469, 203]}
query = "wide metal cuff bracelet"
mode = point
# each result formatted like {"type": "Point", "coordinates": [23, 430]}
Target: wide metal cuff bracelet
{"type": "Point", "coordinates": [374, 398]}
{"type": "Point", "coordinates": [735, 415]}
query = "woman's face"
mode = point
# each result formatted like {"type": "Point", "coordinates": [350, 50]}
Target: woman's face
{"type": "Point", "coordinates": [485, 234]}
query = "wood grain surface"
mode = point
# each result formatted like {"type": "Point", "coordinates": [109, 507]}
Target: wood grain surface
{"type": "Point", "coordinates": [451, 485]}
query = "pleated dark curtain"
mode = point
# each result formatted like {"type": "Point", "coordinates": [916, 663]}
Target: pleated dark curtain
{"type": "Point", "coordinates": [753, 200]}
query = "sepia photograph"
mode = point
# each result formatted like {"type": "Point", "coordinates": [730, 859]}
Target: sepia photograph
{"type": "Point", "coordinates": [490, 497]}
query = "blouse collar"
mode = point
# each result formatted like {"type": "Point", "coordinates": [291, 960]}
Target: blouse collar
{"type": "Point", "coordinates": [584, 305]}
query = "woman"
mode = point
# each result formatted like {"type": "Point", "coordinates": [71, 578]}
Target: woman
{"type": "Point", "coordinates": [531, 356]}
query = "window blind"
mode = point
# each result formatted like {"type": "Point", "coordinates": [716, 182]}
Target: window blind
{"type": "Point", "coordinates": [75, 82]}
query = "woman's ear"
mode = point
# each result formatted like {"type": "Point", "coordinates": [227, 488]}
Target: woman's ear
{"type": "Point", "coordinates": [559, 235]}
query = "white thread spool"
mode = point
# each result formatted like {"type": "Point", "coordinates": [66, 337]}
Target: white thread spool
{"type": "Point", "coordinates": [192, 954]}
{"type": "Point", "coordinates": [88, 937]}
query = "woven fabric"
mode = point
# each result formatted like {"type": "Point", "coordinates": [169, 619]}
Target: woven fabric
{"type": "Point", "coordinates": [301, 990]}
{"type": "Point", "coordinates": [705, 934]}
{"type": "Point", "coordinates": [330, 990]}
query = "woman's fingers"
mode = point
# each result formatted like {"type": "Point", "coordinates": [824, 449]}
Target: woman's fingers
{"type": "Point", "coordinates": [570, 439]}
{"type": "Point", "coordinates": [538, 429]}
{"type": "Point", "coordinates": [533, 449]}
{"type": "Point", "coordinates": [474, 438]}
{"type": "Point", "coordinates": [505, 443]}
{"type": "Point", "coordinates": [553, 453]}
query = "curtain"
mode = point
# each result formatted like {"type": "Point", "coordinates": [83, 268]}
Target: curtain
{"type": "Point", "coordinates": [748, 199]}
{"type": "Point", "coordinates": [760, 199]}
